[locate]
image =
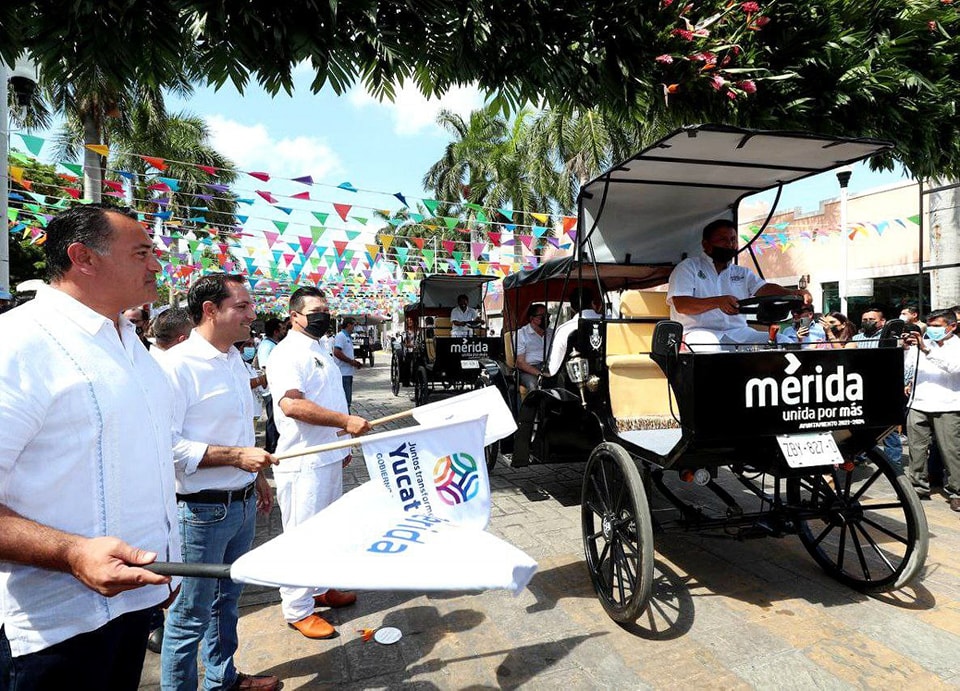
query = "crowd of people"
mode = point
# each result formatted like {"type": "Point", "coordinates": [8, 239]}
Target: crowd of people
{"type": "Point", "coordinates": [129, 441]}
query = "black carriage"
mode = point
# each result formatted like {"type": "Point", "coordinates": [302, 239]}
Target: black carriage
{"type": "Point", "coordinates": [444, 357]}
{"type": "Point", "coordinates": [745, 441]}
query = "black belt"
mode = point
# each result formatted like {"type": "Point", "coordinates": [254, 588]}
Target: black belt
{"type": "Point", "coordinates": [219, 496]}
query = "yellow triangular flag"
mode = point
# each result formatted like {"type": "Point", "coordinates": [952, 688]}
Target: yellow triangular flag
{"type": "Point", "coordinates": [387, 240]}
{"type": "Point", "coordinates": [16, 173]}
{"type": "Point", "coordinates": [101, 149]}
{"type": "Point", "coordinates": [543, 218]}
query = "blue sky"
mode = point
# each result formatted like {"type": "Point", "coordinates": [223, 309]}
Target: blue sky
{"type": "Point", "coordinates": [378, 146]}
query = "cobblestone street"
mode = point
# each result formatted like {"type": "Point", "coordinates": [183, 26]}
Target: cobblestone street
{"type": "Point", "coordinates": [725, 614]}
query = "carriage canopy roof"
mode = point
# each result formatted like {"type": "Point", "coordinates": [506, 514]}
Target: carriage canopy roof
{"type": "Point", "coordinates": [652, 208]}
{"type": "Point", "coordinates": [442, 290]}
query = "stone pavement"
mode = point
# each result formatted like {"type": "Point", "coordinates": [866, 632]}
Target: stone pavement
{"type": "Point", "coordinates": [725, 614]}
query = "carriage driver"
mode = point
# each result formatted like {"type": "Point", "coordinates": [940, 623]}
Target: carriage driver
{"type": "Point", "coordinates": [463, 318]}
{"type": "Point", "coordinates": [704, 292]}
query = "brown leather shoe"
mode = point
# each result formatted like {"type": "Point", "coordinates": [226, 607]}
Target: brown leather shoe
{"type": "Point", "coordinates": [334, 598]}
{"type": "Point", "coordinates": [256, 683]}
{"type": "Point", "coordinates": [314, 627]}
{"type": "Point", "coordinates": [955, 503]}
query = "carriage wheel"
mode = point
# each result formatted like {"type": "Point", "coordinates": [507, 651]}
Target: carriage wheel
{"type": "Point", "coordinates": [421, 386]}
{"type": "Point", "coordinates": [617, 532]}
{"type": "Point", "coordinates": [395, 374]}
{"type": "Point", "coordinates": [492, 454]}
{"type": "Point", "coordinates": [871, 531]}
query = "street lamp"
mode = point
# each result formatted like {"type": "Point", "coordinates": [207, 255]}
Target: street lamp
{"type": "Point", "coordinates": [843, 177]}
{"type": "Point", "coordinates": [23, 78]}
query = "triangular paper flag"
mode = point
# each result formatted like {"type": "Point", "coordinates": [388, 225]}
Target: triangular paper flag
{"type": "Point", "coordinates": [33, 144]}
{"type": "Point", "coordinates": [157, 163]}
{"type": "Point", "coordinates": [266, 195]}
{"type": "Point", "coordinates": [301, 195]}
{"type": "Point", "coordinates": [431, 205]}
{"type": "Point", "coordinates": [259, 176]}
{"type": "Point", "coordinates": [99, 149]}
{"type": "Point", "coordinates": [342, 210]}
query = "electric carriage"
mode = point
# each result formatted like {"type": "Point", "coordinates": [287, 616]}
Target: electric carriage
{"type": "Point", "coordinates": [439, 361]}
{"type": "Point", "coordinates": [780, 442]}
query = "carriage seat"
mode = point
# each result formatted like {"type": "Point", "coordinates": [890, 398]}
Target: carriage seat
{"type": "Point", "coordinates": [638, 387]}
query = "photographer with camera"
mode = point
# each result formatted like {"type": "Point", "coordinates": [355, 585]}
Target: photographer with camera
{"type": "Point", "coordinates": [933, 415]}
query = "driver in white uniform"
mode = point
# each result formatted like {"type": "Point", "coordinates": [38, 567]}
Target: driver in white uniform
{"type": "Point", "coordinates": [705, 291]}
{"type": "Point", "coordinates": [463, 318]}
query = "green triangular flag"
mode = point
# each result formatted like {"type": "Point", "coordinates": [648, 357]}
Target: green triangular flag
{"type": "Point", "coordinates": [322, 217]}
{"type": "Point", "coordinates": [352, 235]}
{"type": "Point", "coordinates": [428, 258]}
{"type": "Point", "coordinates": [33, 144]}
{"type": "Point", "coordinates": [316, 232]}
{"type": "Point", "coordinates": [451, 222]}
{"type": "Point", "coordinates": [281, 225]}
{"type": "Point", "coordinates": [360, 219]}
{"type": "Point", "coordinates": [74, 168]}
{"type": "Point", "coordinates": [432, 205]}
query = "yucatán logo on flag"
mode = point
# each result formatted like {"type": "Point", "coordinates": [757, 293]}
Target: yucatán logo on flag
{"type": "Point", "coordinates": [456, 478]}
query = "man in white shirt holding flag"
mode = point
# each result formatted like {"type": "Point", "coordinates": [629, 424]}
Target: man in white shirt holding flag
{"type": "Point", "coordinates": [310, 408]}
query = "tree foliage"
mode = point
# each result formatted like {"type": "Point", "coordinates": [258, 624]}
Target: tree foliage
{"type": "Point", "coordinates": [879, 68]}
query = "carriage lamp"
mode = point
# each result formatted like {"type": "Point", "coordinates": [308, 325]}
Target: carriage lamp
{"type": "Point", "coordinates": [578, 371]}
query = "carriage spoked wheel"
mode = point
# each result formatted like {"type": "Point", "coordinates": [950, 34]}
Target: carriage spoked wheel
{"type": "Point", "coordinates": [421, 386]}
{"type": "Point", "coordinates": [395, 374]}
{"type": "Point", "coordinates": [617, 532]}
{"type": "Point", "coordinates": [862, 523]}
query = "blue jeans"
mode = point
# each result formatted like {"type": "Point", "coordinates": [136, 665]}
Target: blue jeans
{"type": "Point", "coordinates": [348, 390]}
{"type": "Point", "coordinates": [893, 447]}
{"type": "Point", "coordinates": [207, 608]}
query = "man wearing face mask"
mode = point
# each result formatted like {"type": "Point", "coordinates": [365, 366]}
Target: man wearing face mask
{"type": "Point", "coordinates": [934, 406]}
{"type": "Point", "coordinates": [871, 324]}
{"type": "Point", "coordinates": [704, 292]}
{"type": "Point", "coordinates": [310, 408]}
{"type": "Point", "coordinates": [530, 345]}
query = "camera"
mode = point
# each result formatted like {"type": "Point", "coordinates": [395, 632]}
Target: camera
{"type": "Point", "coordinates": [805, 322]}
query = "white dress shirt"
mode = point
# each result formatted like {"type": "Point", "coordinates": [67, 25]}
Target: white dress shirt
{"type": "Point", "coordinates": [212, 406]}
{"type": "Point", "coordinates": [344, 343]}
{"type": "Point", "coordinates": [462, 315]}
{"type": "Point", "coordinates": [938, 377]}
{"type": "Point", "coordinates": [530, 345]}
{"type": "Point", "coordinates": [697, 277]}
{"type": "Point", "coordinates": [558, 351]}
{"type": "Point", "coordinates": [302, 364]}
{"type": "Point", "coordinates": [85, 449]}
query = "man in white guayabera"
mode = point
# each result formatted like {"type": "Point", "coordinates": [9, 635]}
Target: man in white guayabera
{"type": "Point", "coordinates": [705, 291]}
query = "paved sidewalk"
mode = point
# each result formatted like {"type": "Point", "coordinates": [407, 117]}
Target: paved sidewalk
{"type": "Point", "coordinates": [726, 614]}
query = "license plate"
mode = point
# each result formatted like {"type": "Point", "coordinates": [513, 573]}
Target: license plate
{"type": "Point", "coordinates": [469, 364]}
{"type": "Point", "coordinates": [806, 450]}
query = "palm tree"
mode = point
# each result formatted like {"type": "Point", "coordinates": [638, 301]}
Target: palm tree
{"type": "Point", "coordinates": [183, 141]}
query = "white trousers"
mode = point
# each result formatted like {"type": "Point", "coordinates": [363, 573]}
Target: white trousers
{"type": "Point", "coordinates": [301, 495]}
{"type": "Point", "coordinates": [705, 341]}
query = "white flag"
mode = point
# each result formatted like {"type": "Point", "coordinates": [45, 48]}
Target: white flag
{"type": "Point", "coordinates": [436, 468]}
{"type": "Point", "coordinates": [485, 401]}
{"type": "Point", "coordinates": [362, 541]}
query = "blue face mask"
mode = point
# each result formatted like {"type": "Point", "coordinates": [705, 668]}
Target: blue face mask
{"type": "Point", "coordinates": [249, 352]}
{"type": "Point", "coordinates": [936, 333]}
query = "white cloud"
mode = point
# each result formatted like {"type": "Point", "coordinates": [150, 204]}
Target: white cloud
{"type": "Point", "coordinates": [253, 147]}
{"type": "Point", "coordinates": [412, 112]}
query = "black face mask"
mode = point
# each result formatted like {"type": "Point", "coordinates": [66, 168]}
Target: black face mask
{"type": "Point", "coordinates": [317, 324]}
{"type": "Point", "coordinates": [869, 327]}
{"type": "Point", "coordinates": [722, 254]}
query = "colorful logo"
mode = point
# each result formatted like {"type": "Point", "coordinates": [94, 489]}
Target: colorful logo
{"type": "Point", "coordinates": [456, 478]}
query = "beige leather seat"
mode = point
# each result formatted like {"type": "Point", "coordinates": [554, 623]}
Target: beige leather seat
{"type": "Point", "coordinates": [638, 387]}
